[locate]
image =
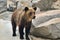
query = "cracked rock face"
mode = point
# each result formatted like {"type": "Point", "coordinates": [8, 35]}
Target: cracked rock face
{"type": "Point", "coordinates": [50, 31]}
{"type": "Point", "coordinates": [3, 4]}
{"type": "Point", "coordinates": [46, 16]}
{"type": "Point", "coordinates": [44, 4]}
{"type": "Point", "coordinates": [47, 25]}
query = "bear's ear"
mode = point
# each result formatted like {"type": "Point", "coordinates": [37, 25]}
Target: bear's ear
{"type": "Point", "coordinates": [35, 8]}
{"type": "Point", "coordinates": [26, 9]}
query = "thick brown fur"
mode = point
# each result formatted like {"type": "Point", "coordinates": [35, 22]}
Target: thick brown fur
{"type": "Point", "coordinates": [23, 18]}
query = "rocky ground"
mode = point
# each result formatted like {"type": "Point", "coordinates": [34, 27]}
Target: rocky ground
{"type": "Point", "coordinates": [6, 28]}
{"type": "Point", "coordinates": [45, 23]}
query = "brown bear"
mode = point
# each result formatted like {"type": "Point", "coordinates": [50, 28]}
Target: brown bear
{"type": "Point", "coordinates": [23, 19]}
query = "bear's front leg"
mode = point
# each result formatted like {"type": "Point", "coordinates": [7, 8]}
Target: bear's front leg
{"type": "Point", "coordinates": [21, 28]}
{"type": "Point", "coordinates": [27, 30]}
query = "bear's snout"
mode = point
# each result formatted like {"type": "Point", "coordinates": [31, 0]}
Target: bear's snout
{"type": "Point", "coordinates": [34, 17]}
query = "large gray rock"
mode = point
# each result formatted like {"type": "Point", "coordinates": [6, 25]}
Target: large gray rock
{"type": "Point", "coordinates": [40, 32]}
{"type": "Point", "coordinates": [51, 31]}
{"type": "Point", "coordinates": [46, 16]}
{"type": "Point", "coordinates": [44, 4]}
{"type": "Point", "coordinates": [3, 5]}
{"type": "Point", "coordinates": [41, 20]}
{"type": "Point", "coordinates": [47, 25]}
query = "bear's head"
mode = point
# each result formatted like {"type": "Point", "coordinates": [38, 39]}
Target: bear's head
{"type": "Point", "coordinates": [30, 12]}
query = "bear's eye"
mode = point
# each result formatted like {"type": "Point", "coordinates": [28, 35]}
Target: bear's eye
{"type": "Point", "coordinates": [30, 13]}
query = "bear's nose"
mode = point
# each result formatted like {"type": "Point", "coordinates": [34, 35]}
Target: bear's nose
{"type": "Point", "coordinates": [34, 17]}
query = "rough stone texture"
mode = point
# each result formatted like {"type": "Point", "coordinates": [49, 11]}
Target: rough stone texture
{"type": "Point", "coordinates": [41, 31]}
{"type": "Point", "coordinates": [51, 30]}
{"type": "Point", "coordinates": [3, 4]}
{"type": "Point", "coordinates": [56, 5]}
{"type": "Point", "coordinates": [6, 15]}
{"type": "Point", "coordinates": [44, 4]}
{"type": "Point", "coordinates": [46, 16]}
{"type": "Point", "coordinates": [47, 24]}
{"type": "Point", "coordinates": [36, 38]}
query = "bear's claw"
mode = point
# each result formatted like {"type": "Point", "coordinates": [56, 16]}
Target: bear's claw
{"type": "Point", "coordinates": [14, 34]}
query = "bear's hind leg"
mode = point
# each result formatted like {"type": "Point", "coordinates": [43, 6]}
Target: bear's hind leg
{"type": "Point", "coordinates": [14, 28]}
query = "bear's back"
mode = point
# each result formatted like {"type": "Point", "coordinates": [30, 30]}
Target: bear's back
{"type": "Point", "coordinates": [17, 16]}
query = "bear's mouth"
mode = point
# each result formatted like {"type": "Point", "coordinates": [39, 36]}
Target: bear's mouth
{"type": "Point", "coordinates": [34, 17]}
